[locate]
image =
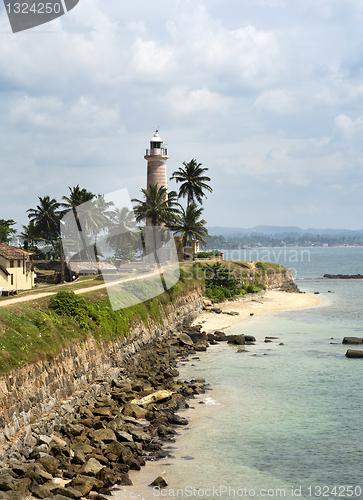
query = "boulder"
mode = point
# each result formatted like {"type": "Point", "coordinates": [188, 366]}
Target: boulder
{"type": "Point", "coordinates": [84, 484]}
{"type": "Point", "coordinates": [106, 435]}
{"type": "Point", "coordinates": [354, 353]}
{"type": "Point", "coordinates": [91, 468]}
{"type": "Point", "coordinates": [250, 338]}
{"type": "Point", "coordinates": [219, 336]}
{"type": "Point", "coordinates": [198, 336]}
{"type": "Point", "coordinates": [50, 464]}
{"type": "Point", "coordinates": [159, 482]}
{"type": "Point", "coordinates": [133, 410]}
{"type": "Point", "coordinates": [201, 346]}
{"type": "Point", "coordinates": [236, 339]}
{"type": "Point", "coordinates": [184, 339]}
{"type": "Point", "coordinates": [152, 398]}
{"type": "Point", "coordinates": [68, 492]}
{"type": "Point", "coordinates": [352, 340]}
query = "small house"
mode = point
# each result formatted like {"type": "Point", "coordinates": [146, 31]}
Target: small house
{"type": "Point", "coordinates": [15, 269]}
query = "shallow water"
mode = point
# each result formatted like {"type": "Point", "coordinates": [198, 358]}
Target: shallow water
{"type": "Point", "coordinates": [285, 416]}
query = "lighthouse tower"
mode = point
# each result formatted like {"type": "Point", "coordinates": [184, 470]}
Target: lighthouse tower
{"type": "Point", "coordinates": [156, 158]}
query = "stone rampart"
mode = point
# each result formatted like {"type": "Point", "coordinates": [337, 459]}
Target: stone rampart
{"type": "Point", "coordinates": [32, 390]}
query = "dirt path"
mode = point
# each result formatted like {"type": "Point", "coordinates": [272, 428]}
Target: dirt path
{"type": "Point", "coordinates": [28, 298]}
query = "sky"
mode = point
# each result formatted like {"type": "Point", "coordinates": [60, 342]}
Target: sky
{"type": "Point", "coordinates": [266, 94]}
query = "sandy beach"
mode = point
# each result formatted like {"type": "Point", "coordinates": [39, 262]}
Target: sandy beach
{"type": "Point", "coordinates": [268, 301]}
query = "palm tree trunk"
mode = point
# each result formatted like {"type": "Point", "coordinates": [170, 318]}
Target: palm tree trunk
{"type": "Point", "coordinates": [157, 261]}
{"type": "Point", "coordinates": [62, 261]}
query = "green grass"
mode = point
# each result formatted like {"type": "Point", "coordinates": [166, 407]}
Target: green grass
{"type": "Point", "coordinates": [39, 329]}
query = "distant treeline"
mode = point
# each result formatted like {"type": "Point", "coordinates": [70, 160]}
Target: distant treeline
{"type": "Point", "coordinates": [256, 239]}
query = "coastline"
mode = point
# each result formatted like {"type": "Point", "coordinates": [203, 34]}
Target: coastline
{"type": "Point", "coordinates": [252, 305]}
{"type": "Point", "coordinates": [265, 302]}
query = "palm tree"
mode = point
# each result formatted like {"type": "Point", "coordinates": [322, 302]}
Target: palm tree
{"type": "Point", "coordinates": [190, 225]}
{"type": "Point", "coordinates": [46, 218]}
{"type": "Point", "coordinates": [160, 208]}
{"type": "Point", "coordinates": [121, 233]}
{"type": "Point", "coordinates": [77, 197]}
{"type": "Point", "coordinates": [193, 181]}
{"type": "Point", "coordinates": [103, 216]}
{"type": "Point", "coordinates": [29, 235]}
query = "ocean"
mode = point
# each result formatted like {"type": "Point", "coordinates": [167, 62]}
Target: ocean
{"type": "Point", "coordinates": [279, 421]}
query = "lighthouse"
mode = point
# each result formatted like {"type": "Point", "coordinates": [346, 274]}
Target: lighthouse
{"type": "Point", "coordinates": [156, 158]}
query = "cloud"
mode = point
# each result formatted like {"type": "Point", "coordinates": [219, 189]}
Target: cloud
{"type": "Point", "coordinates": [185, 102]}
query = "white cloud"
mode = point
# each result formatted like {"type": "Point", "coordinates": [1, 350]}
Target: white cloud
{"type": "Point", "coordinates": [277, 101]}
{"type": "Point", "coordinates": [193, 102]}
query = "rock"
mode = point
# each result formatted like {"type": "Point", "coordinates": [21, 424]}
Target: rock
{"type": "Point", "coordinates": [133, 410]}
{"type": "Point", "coordinates": [354, 353]}
{"type": "Point", "coordinates": [236, 339]}
{"type": "Point", "coordinates": [216, 310]}
{"type": "Point", "coordinates": [106, 435]}
{"type": "Point", "coordinates": [232, 313]}
{"type": "Point", "coordinates": [68, 492]}
{"type": "Point", "coordinates": [159, 482]}
{"type": "Point", "coordinates": [175, 419]}
{"type": "Point", "coordinates": [59, 442]}
{"type": "Point", "coordinates": [198, 336]}
{"type": "Point", "coordinates": [83, 484]}
{"type": "Point", "coordinates": [200, 346]}
{"type": "Point", "coordinates": [316, 293]}
{"type": "Point", "coordinates": [6, 482]}
{"type": "Point", "coordinates": [219, 336]}
{"type": "Point", "coordinates": [250, 338]}
{"type": "Point", "coordinates": [152, 398]}
{"type": "Point", "coordinates": [91, 468]}
{"type": "Point", "coordinates": [185, 339]}
{"type": "Point", "coordinates": [352, 340]}
{"type": "Point", "coordinates": [43, 490]}
{"type": "Point", "coordinates": [140, 435]}
{"type": "Point", "coordinates": [50, 464]}
{"type": "Point", "coordinates": [124, 437]}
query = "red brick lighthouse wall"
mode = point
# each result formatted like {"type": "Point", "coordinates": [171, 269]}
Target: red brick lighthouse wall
{"type": "Point", "coordinates": [156, 158]}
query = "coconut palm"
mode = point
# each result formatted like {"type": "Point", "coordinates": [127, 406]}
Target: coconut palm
{"type": "Point", "coordinates": [121, 233]}
{"type": "Point", "coordinates": [46, 218]}
{"type": "Point", "coordinates": [29, 235]}
{"type": "Point", "coordinates": [160, 208]}
{"type": "Point", "coordinates": [193, 181]}
{"type": "Point", "coordinates": [190, 226]}
{"type": "Point", "coordinates": [76, 198]}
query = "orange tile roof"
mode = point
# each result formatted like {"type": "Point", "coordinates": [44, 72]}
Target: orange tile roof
{"type": "Point", "coordinates": [10, 252]}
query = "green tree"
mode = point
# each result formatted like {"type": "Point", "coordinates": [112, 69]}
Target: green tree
{"type": "Point", "coordinates": [77, 197]}
{"type": "Point", "coordinates": [158, 206]}
{"type": "Point", "coordinates": [29, 235]}
{"type": "Point", "coordinates": [6, 231]}
{"type": "Point", "coordinates": [193, 181]}
{"type": "Point", "coordinates": [121, 232]}
{"type": "Point", "coordinates": [161, 209]}
{"type": "Point", "coordinates": [190, 226]}
{"type": "Point", "coordinates": [46, 219]}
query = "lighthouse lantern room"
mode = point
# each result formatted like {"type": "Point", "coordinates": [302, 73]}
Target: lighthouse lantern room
{"type": "Point", "coordinates": [156, 158]}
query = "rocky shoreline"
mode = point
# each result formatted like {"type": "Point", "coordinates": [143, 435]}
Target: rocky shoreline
{"type": "Point", "coordinates": [90, 442]}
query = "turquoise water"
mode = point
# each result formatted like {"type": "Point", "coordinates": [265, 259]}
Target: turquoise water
{"type": "Point", "coordinates": [278, 416]}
